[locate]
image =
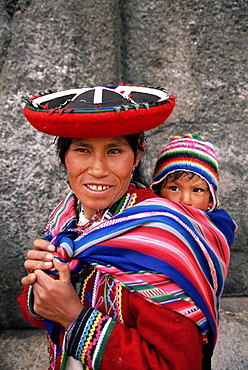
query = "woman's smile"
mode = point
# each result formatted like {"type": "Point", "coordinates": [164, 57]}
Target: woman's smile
{"type": "Point", "coordinates": [98, 187]}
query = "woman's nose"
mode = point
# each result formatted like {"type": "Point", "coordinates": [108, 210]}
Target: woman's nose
{"type": "Point", "coordinates": [98, 167]}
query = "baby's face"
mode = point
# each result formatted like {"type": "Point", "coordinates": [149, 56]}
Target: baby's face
{"type": "Point", "coordinates": [192, 192]}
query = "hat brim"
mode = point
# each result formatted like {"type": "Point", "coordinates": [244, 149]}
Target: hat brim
{"type": "Point", "coordinates": [56, 114]}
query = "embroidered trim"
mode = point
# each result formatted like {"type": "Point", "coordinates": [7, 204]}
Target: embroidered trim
{"type": "Point", "coordinates": [119, 302]}
{"type": "Point", "coordinates": [30, 305]}
{"type": "Point", "coordinates": [98, 282]}
{"type": "Point", "coordinates": [129, 201]}
{"type": "Point", "coordinates": [85, 283]}
{"type": "Point", "coordinates": [86, 338]}
{"type": "Point", "coordinates": [91, 330]}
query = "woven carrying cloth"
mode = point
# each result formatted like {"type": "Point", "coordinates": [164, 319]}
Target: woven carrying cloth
{"type": "Point", "coordinates": [99, 111]}
{"type": "Point", "coordinates": [152, 241]}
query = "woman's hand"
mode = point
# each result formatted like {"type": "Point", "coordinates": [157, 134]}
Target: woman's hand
{"type": "Point", "coordinates": [56, 300]}
{"type": "Point", "coordinates": [38, 258]}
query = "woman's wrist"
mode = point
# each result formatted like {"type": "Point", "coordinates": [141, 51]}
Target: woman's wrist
{"type": "Point", "coordinates": [68, 321]}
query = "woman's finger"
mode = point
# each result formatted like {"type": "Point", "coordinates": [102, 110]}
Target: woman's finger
{"type": "Point", "coordinates": [40, 255]}
{"type": "Point", "coordinates": [38, 260]}
{"type": "Point", "coordinates": [64, 271]}
{"type": "Point", "coordinates": [41, 244]}
{"type": "Point", "coordinates": [31, 265]}
{"type": "Point", "coordinates": [29, 279]}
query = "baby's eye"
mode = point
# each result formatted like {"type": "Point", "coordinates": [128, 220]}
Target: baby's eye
{"type": "Point", "coordinates": [198, 190]}
{"type": "Point", "coordinates": [174, 188]}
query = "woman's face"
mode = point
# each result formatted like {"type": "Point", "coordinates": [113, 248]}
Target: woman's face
{"type": "Point", "coordinates": [99, 171]}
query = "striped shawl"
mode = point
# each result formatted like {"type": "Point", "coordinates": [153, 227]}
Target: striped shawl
{"type": "Point", "coordinates": [151, 248]}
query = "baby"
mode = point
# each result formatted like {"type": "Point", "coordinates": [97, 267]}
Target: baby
{"type": "Point", "coordinates": [187, 172]}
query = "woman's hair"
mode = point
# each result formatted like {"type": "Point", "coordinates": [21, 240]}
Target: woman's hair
{"type": "Point", "coordinates": [63, 144]}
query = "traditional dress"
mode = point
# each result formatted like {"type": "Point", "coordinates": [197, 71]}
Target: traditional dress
{"type": "Point", "coordinates": [150, 276]}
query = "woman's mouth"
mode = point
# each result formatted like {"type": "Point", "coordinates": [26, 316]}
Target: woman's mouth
{"type": "Point", "coordinates": [98, 187]}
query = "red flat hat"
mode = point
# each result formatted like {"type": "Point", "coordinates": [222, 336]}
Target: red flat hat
{"type": "Point", "coordinates": [99, 111]}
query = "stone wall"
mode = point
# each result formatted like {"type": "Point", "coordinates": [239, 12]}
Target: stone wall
{"type": "Point", "coordinates": [195, 49]}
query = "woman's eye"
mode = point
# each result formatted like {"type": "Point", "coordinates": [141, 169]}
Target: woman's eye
{"type": "Point", "coordinates": [114, 151]}
{"type": "Point", "coordinates": [82, 150]}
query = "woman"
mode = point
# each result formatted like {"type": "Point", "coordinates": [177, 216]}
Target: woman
{"type": "Point", "coordinates": [140, 285]}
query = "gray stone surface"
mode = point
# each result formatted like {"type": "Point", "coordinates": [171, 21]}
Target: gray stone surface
{"type": "Point", "coordinates": [23, 349]}
{"type": "Point", "coordinates": [27, 349]}
{"type": "Point", "coordinates": [231, 352]}
{"type": "Point", "coordinates": [196, 49]}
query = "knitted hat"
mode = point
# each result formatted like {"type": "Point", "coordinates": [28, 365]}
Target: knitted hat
{"type": "Point", "coordinates": [188, 153]}
{"type": "Point", "coordinates": [99, 111]}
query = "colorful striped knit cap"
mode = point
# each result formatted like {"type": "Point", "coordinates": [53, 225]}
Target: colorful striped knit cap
{"type": "Point", "coordinates": [188, 153]}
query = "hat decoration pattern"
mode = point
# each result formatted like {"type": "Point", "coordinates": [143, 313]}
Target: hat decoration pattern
{"type": "Point", "coordinates": [99, 111]}
{"type": "Point", "coordinates": [192, 154]}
